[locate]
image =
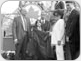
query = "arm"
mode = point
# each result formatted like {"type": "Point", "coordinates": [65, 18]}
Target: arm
{"type": "Point", "coordinates": [61, 31]}
{"type": "Point", "coordinates": [61, 28]}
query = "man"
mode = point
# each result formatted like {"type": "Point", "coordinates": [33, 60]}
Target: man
{"type": "Point", "coordinates": [21, 31]}
{"type": "Point", "coordinates": [57, 34]}
{"type": "Point", "coordinates": [45, 25]}
{"type": "Point", "coordinates": [72, 31]}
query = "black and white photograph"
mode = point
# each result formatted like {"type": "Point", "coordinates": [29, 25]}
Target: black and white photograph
{"type": "Point", "coordinates": [40, 30]}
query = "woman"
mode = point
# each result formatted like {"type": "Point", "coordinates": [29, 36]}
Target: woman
{"type": "Point", "coordinates": [57, 34]}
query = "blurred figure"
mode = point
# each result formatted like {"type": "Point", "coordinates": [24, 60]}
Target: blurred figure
{"type": "Point", "coordinates": [4, 55]}
{"type": "Point", "coordinates": [45, 24]}
{"type": "Point", "coordinates": [57, 34]}
{"type": "Point", "coordinates": [73, 32]}
{"type": "Point", "coordinates": [21, 31]}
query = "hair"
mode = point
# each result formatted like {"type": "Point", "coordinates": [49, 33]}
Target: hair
{"type": "Point", "coordinates": [36, 23]}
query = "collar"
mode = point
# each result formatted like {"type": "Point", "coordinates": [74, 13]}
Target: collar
{"type": "Point", "coordinates": [72, 9]}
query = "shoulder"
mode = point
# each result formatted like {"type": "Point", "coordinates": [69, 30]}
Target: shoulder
{"type": "Point", "coordinates": [16, 18]}
{"type": "Point", "coordinates": [61, 21]}
{"type": "Point", "coordinates": [75, 11]}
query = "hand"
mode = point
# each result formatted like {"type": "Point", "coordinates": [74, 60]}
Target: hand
{"type": "Point", "coordinates": [16, 41]}
{"type": "Point", "coordinates": [67, 39]}
{"type": "Point", "coordinates": [59, 42]}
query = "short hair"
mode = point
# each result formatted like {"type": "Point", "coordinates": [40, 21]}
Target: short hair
{"type": "Point", "coordinates": [69, 1]}
{"type": "Point", "coordinates": [59, 13]}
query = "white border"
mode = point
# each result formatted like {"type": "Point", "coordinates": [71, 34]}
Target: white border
{"type": "Point", "coordinates": [1, 1]}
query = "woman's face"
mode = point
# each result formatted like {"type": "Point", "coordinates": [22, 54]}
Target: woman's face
{"type": "Point", "coordinates": [56, 18]}
{"type": "Point", "coordinates": [38, 24]}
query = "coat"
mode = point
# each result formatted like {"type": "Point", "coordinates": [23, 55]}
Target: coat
{"type": "Point", "coordinates": [18, 30]}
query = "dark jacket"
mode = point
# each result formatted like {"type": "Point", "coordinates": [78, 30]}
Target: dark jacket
{"type": "Point", "coordinates": [17, 28]}
{"type": "Point", "coordinates": [73, 32]}
{"type": "Point", "coordinates": [46, 26]}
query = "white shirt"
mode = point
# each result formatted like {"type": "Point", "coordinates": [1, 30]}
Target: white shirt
{"type": "Point", "coordinates": [24, 23]}
{"type": "Point", "coordinates": [57, 33]}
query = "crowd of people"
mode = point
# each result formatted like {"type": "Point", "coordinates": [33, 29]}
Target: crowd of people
{"type": "Point", "coordinates": [55, 36]}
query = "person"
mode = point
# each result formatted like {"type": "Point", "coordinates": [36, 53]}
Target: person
{"type": "Point", "coordinates": [45, 24]}
{"type": "Point", "coordinates": [21, 30]}
{"type": "Point", "coordinates": [73, 32]}
{"type": "Point", "coordinates": [66, 46]}
{"type": "Point", "coordinates": [39, 26]}
{"type": "Point", "coordinates": [57, 34]}
{"type": "Point", "coordinates": [41, 37]}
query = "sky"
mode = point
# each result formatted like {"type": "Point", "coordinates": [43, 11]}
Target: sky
{"type": "Point", "coordinates": [9, 7]}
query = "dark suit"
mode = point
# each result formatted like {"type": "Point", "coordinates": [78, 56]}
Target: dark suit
{"type": "Point", "coordinates": [20, 34]}
{"type": "Point", "coordinates": [46, 26]}
{"type": "Point", "coordinates": [73, 32]}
